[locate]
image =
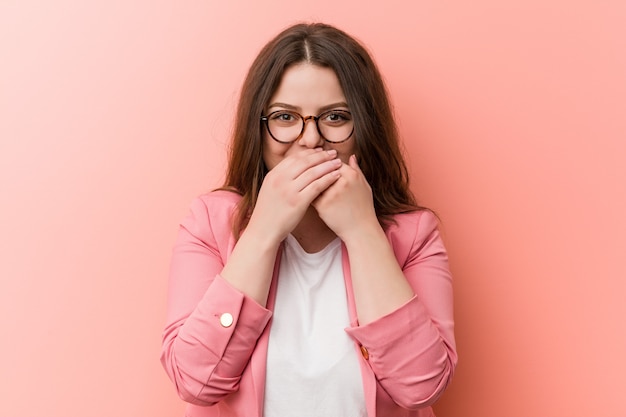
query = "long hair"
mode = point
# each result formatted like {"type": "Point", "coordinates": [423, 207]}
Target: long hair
{"type": "Point", "coordinates": [375, 132]}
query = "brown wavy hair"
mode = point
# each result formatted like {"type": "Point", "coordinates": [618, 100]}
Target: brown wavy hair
{"type": "Point", "coordinates": [375, 133]}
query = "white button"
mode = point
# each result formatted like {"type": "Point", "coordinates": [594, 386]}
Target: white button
{"type": "Point", "coordinates": [226, 320]}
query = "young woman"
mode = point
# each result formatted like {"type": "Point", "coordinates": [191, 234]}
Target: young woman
{"type": "Point", "coordinates": [311, 284]}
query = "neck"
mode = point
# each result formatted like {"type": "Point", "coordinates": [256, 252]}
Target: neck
{"type": "Point", "coordinates": [312, 233]}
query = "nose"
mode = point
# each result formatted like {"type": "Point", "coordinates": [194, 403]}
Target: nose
{"type": "Point", "coordinates": [310, 138]}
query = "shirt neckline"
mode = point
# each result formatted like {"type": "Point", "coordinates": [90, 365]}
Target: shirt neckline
{"type": "Point", "coordinates": [292, 242]}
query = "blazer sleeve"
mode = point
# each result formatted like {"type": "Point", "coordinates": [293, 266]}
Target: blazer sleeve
{"type": "Point", "coordinates": [412, 350]}
{"type": "Point", "coordinates": [204, 352]}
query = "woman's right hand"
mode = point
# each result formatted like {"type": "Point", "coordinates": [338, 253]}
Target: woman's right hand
{"type": "Point", "coordinates": [289, 188]}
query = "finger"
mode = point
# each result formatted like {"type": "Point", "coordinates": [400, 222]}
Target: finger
{"type": "Point", "coordinates": [295, 165]}
{"type": "Point", "coordinates": [316, 172]}
{"type": "Point", "coordinates": [353, 163]}
{"type": "Point", "coordinates": [315, 188]}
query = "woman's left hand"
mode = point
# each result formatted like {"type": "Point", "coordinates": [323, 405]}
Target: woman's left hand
{"type": "Point", "coordinates": [347, 206]}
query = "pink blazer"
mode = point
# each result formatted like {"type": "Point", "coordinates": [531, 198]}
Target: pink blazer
{"type": "Point", "coordinates": [407, 357]}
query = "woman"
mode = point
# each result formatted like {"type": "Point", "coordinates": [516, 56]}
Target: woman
{"type": "Point", "coordinates": [311, 284]}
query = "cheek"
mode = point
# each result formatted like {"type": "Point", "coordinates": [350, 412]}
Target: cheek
{"type": "Point", "coordinates": [272, 154]}
{"type": "Point", "coordinates": [268, 160]}
{"type": "Point", "coordinates": [345, 151]}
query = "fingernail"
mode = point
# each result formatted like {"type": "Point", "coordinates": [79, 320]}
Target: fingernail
{"type": "Point", "coordinates": [332, 152]}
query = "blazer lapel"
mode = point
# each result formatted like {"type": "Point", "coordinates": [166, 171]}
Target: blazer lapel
{"type": "Point", "coordinates": [258, 361]}
{"type": "Point", "coordinates": [369, 380]}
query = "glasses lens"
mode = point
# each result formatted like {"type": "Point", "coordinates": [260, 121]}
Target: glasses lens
{"type": "Point", "coordinates": [284, 126]}
{"type": "Point", "coordinates": [336, 125]}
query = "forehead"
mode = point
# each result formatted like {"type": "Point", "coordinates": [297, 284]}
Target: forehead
{"type": "Point", "coordinates": [308, 87]}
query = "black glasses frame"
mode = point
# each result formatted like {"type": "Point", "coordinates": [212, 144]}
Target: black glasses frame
{"type": "Point", "coordinates": [304, 119]}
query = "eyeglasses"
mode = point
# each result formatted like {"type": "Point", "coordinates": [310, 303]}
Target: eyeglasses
{"type": "Point", "coordinates": [286, 126]}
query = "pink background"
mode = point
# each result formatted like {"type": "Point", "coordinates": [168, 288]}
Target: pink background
{"type": "Point", "coordinates": [115, 114]}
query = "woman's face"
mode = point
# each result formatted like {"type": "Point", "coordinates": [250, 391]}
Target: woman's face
{"type": "Point", "coordinates": [308, 90]}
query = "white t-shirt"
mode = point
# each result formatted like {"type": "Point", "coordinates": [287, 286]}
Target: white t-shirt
{"type": "Point", "coordinates": [312, 365]}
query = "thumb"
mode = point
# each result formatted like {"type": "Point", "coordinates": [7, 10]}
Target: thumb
{"type": "Point", "coordinates": [353, 163]}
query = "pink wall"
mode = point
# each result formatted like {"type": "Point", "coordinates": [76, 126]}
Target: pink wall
{"type": "Point", "coordinates": [114, 114]}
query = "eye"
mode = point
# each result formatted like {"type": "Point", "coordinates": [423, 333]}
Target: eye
{"type": "Point", "coordinates": [283, 117]}
{"type": "Point", "coordinates": [336, 117]}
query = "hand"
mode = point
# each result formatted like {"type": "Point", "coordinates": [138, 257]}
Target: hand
{"type": "Point", "coordinates": [289, 188]}
{"type": "Point", "coordinates": [347, 205]}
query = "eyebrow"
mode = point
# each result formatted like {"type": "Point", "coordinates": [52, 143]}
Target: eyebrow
{"type": "Point", "coordinates": [296, 108]}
